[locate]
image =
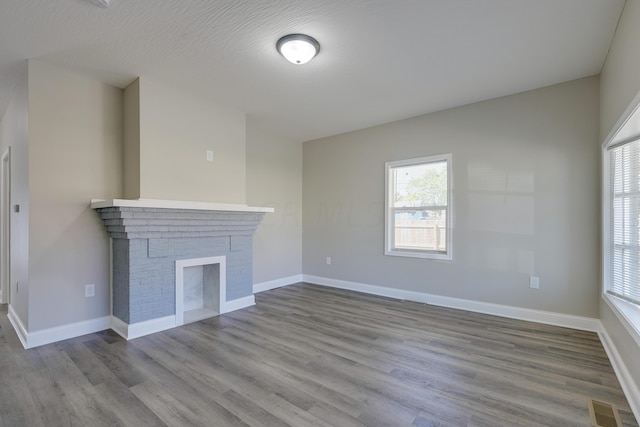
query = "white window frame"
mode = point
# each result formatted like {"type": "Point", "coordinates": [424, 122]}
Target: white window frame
{"type": "Point", "coordinates": [389, 209]}
{"type": "Point", "coordinates": [627, 313]}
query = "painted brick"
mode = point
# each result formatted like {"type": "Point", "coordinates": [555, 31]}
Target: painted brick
{"type": "Point", "coordinates": [148, 241]}
{"type": "Point", "coordinates": [240, 243]}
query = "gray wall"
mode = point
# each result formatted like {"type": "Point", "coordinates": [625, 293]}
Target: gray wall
{"type": "Point", "coordinates": [131, 140]}
{"type": "Point", "coordinates": [14, 132]}
{"type": "Point", "coordinates": [75, 154]}
{"type": "Point", "coordinates": [66, 153]}
{"type": "Point", "coordinates": [525, 201]}
{"type": "Point", "coordinates": [620, 83]}
{"type": "Point", "coordinates": [274, 179]}
{"type": "Point", "coordinates": [176, 130]}
{"type": "Point", "coordinates": [620, 77]}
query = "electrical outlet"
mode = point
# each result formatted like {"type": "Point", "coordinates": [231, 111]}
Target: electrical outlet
{"type": "Point", "coordinates": [209, 156]}
{"type": "Point", "coordinates": [328, 260]}
{"type": "Point", "coordinates": [89, 290]}
{"type": "Point", "coordinates": [534, 282]}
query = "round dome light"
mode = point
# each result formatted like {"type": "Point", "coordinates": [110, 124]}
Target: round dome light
{"type": "Point", "coordinates": [298, 48]}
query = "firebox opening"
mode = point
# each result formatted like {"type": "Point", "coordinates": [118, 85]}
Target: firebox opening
{"type": "Point", "coordinates": [200, 288]}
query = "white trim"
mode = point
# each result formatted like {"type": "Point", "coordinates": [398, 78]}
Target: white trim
{"type": "Point", "coordinates": [15, 321]}
{"type": "Point", "coordinates": [175, 204]}
{"type": "Point", "coordinates": [181, 264]}
{"type": "Point", "coordinates": [629, 112]}
{"type": "Point", "coordinates": [629, 386]}
{"type": "Point", "coordinates": [136, 330]}
{"type": "Point", "coordinates": [539, 316]}
{"type": "Point", "coordinates": [5, 227]}
{"type": "Point", "coordinates": [119, 327]}
{"type": "Point", "coordinates": [126, 331]}
{"type": "Point", "coordinates": [148, 327]}
{"type": "Point", "coordinates": [606, 221]}
{"type": "Point", "coordinates": [238, 304]}
{"type": "Point", "coordinates": [58, 333]}
{"type": "Point", "coordinates": [389, 228]}
{"type": "Point", "coordinates": [64, 332]}
{"type": "Point", "coordinates": [277, 283]}
{"type": "Point", "coordinates": [627, 313]}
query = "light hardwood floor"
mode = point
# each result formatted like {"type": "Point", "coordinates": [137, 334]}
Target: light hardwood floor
{"type": "Point", "coordinates": [312, 356]}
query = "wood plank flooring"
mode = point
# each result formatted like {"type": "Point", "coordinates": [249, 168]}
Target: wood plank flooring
{"type": "Point", "coordinates": [312, 356]}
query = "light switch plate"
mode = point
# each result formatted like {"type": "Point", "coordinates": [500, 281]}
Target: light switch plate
{"type": "Point", "coordinates": [89, 290]}
{"type": "Point", "coordinates": [534, 282]}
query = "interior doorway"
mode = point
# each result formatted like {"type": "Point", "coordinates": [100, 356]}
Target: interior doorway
{"type": "Point", "coordinates": [5, 227]}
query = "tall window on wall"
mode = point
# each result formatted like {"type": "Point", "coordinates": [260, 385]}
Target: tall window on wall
{"type": "Point", "coordinates": [622, 262]}
{"type": "Point", "coordinates": [418, 207]}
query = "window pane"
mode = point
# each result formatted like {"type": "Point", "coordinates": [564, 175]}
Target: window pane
{"type": "Point", "coordinates": [421, 185]}
{"type": "Point", "coordinates": [421, 229]}
{"type": "Point", "coordinates": [624, 250]}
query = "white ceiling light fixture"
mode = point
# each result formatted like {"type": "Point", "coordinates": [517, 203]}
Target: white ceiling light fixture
{"type": "Point", "coordinates": [298, 48]}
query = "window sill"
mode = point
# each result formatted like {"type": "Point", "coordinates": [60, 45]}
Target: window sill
{"type": "Point", "coordinates": [424, 255]}
{"type": "Point", "coordinates": [627, 313]}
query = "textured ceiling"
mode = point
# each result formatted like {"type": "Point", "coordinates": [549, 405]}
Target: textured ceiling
{"type": "Point", "coordinates": [380, 60]}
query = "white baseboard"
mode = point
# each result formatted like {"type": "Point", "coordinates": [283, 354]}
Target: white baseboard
{"type": "Point", "coordinates": [119, 327]}
{"type": "Point", "coordinates": [629, 386]}
{"type": "Point", "coordinates": [627, 318]}
{"type": "Point", "coordinates": [126, 331]}
{"type": "Point", "coordinates": [15, 321]}
{"type": "Point", "coordinates": [237, 304]}
{"type": "Point", "coordinates": [135, 330]}
{"type": "Point", "coordinates": [47, 336]}
{"type": "Point", "coordinates": [539, 316]}
{"type": "Point", "coordinates": [148, 327]}
{"type": "Point", "coordinates": [278, 283]}
{"type": "Point", "coordinates": [59, 333]}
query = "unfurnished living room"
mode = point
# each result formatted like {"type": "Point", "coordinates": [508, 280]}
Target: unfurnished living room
{"type": "Point", "coordinates": [320, 213]}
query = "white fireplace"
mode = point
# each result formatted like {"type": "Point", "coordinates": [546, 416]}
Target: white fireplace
{"type": "Point", "coordinates": [201, 288]}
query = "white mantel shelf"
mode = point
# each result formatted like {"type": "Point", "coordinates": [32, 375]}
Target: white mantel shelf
{"type": "Point", "coordinates": [175, 204]}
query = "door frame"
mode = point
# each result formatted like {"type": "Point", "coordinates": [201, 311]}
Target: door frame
{"type": "Point", "coordinates": [5, 227]}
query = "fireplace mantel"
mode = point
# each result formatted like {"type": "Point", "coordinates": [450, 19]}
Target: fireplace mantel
{"type": "Point", "coordinates": [175, 204]}
{"type": "Point", "coordinates": [151, 238]}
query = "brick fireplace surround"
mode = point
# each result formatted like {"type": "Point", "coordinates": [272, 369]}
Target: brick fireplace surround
{"type": "Point", "coordinates": [149, 236]}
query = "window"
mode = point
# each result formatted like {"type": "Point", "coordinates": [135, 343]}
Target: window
{"type": "Point", "coordinates": [623, 253]}
{"type": "Point", "coordinates": [418, 207]}
{"type": "Point", "coordinates": [621, 220]}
